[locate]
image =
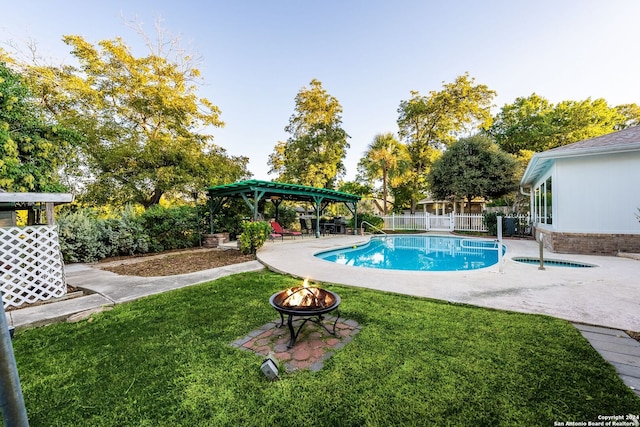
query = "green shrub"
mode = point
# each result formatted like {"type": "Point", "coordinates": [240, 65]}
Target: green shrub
{"type": "Point", "coordinates": [170, 228]}
{"type": "Point", "coordinates": [229, 219]}
{"type": "Point", "coordinates": [490, 221]}
{"type": "Point", "coordinates": [253, 236]}
{"type": "Point", "coordinates": [125, 235]}
{"type": "Point", "coordinates": [370, 218]}
{"type": "Point", "coordinates": [84, 237]}
{"type": "Point", "coordinates": [81, 236]}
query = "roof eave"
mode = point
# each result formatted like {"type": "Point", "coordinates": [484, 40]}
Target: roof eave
{"type": "Point", "coordinates": [539, 161]}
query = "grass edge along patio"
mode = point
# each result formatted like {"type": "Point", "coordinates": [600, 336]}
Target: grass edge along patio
{"type": "Point", "coordinates": [167, 360]}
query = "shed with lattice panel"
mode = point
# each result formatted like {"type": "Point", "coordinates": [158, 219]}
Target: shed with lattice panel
{"type": "Point", "coordinates": [31, 266]}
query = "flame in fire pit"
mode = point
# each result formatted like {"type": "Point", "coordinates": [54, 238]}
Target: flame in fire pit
{"type": "Point", "coordinates": [306, 296]}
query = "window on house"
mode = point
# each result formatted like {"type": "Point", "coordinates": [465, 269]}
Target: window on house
{"type": "Point", "coordinates": [547, 201]}
{"type": "Point", "coordinates": [536, 203]}
{"type": "Point", "coordinates": [543, 203]}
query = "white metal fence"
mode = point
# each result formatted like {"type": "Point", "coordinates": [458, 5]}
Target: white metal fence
{"type": "Point", "coordinates": [444, 245]}
{"type": "Point", "coordinates": [429, 222]}
{"type": "Point", "coordinates": [31, 266]}
{"type": "Point", "coordinates": [417, 222]}
{"type": "Point", "coordinates": [469, 222]}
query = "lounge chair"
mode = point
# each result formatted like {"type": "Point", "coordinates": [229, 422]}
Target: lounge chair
{"type": "Point", "coordinates": [274, 236]}
{"type": "Point", "coordinates": [277, 228]}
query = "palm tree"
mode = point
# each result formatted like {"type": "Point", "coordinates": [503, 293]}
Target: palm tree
{"type": "Point", "coordinates": [385, 159]}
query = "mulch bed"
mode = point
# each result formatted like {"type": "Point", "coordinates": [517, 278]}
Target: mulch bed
{"type": "Point", "coordinates": [172, 263]}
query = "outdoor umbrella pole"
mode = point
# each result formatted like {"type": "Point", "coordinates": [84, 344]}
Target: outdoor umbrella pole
{"type": "Point", "coordinates": [14, 412]}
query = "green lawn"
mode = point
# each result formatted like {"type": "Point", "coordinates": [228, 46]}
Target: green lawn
{"type": "Point", "coordinates": [166, 360]}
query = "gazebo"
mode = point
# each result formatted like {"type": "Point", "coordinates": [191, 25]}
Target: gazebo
{"type": "Point", "coordinates": [253, 191]}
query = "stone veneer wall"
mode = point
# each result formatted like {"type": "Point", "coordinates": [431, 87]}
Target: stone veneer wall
{"type": "Point", "coordinates": [590, 244]}
{"type": "Point", "coordinates": [214, 240]}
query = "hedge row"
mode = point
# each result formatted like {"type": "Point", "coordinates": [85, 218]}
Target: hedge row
{"type": "Point", "coordinates": [86, 237]}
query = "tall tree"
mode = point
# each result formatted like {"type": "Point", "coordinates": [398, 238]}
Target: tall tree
{"type": "Point", "coordinates": [385, 160]}
{"type": "Point", "coordinates": [313, 155]}
{"type": "Point", "coordinates": [141, 119]}
{"type": "Point", "coordinates": [632, 114]}
{"type": "Point", "coordinates": [535, 124]}
{"type": "Point", "coordinates": [429, 123]}
{"type": "Point", "coordinates": [518, 125]}
{"type": "Point", "coordinates": [31, 149]}
{"type": "Point", "coordinates": [473, 167]}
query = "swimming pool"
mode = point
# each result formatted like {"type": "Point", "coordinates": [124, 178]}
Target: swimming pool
{"type": "Point", "coordinates": [418, 253]}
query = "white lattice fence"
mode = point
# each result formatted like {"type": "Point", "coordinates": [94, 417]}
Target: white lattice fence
{"type": "Point", "coordinates": [31, 267]}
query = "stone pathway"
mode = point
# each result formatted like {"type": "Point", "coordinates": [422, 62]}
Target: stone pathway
{"type": "Point", "coordinates": [617, 348]}
{"type": "Point", "coordinates": [313, 345]}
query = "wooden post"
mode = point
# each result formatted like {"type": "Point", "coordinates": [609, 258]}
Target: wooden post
{"type": "Point", "coordinates": [31, 216]}
{"type": "Point", "coordinates": [51, 220]}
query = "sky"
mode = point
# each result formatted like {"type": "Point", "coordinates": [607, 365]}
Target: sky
{"type": "Point", "coordinates": [257, 55]}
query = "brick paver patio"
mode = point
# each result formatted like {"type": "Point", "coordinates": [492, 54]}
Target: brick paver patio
{"type": "Point", "coordinates": [313, 345]}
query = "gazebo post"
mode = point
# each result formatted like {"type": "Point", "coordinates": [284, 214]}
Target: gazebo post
{"type": "Point", "coordinates": [317, 219]}
{"type": "Point", "coordinates": [355, 219]}
{"type": "Point", "coordinates": [256, 199]}
{"type": "Point", "coordinates": [353, 208]}
{"type": "Point", "coordinates": [276, 200]}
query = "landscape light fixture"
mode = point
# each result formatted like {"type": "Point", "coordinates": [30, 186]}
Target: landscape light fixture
{"type": "Point", "coordinates": [270, 368]}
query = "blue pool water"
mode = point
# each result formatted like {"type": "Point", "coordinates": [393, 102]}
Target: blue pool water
{"type": "Point", "coordinates": [418, 253]}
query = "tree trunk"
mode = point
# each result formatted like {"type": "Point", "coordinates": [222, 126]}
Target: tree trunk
{"type": "Point", "coordinates": [154, 199]}
{"type": "Point", "coordinates": [384, 191]}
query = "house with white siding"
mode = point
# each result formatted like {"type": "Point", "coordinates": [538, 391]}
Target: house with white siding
{"type": "Point", "coordinates": [585, 196]}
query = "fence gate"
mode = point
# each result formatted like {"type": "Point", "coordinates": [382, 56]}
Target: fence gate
{"type": "Point", "coordinates": [439, 222]}
{"type": "Point", "coordinates": [31, 266]}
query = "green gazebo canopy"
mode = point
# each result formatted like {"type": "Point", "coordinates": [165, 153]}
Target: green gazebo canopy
{"type": "Point", "coordinates": [253, 191]}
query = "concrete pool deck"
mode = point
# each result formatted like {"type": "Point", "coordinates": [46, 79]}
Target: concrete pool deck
{"type": "Point", "coordinates": [607, 295]}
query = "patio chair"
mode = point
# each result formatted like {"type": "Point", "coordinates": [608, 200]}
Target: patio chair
{"type": "Point", "coordinates": [326, 227]}
{"type": "Point", "coordinates": [277, 228]}
{"type": "Point", "coordinates": [304, 227]}
{"type": "Point", "coordinates": [323, 231]}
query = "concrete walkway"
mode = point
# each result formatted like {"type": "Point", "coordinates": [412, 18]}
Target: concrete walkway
{"type": "Point", "coordinates": [108, 288]}
{"type": "Point", "coordinates": [617, 348]}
